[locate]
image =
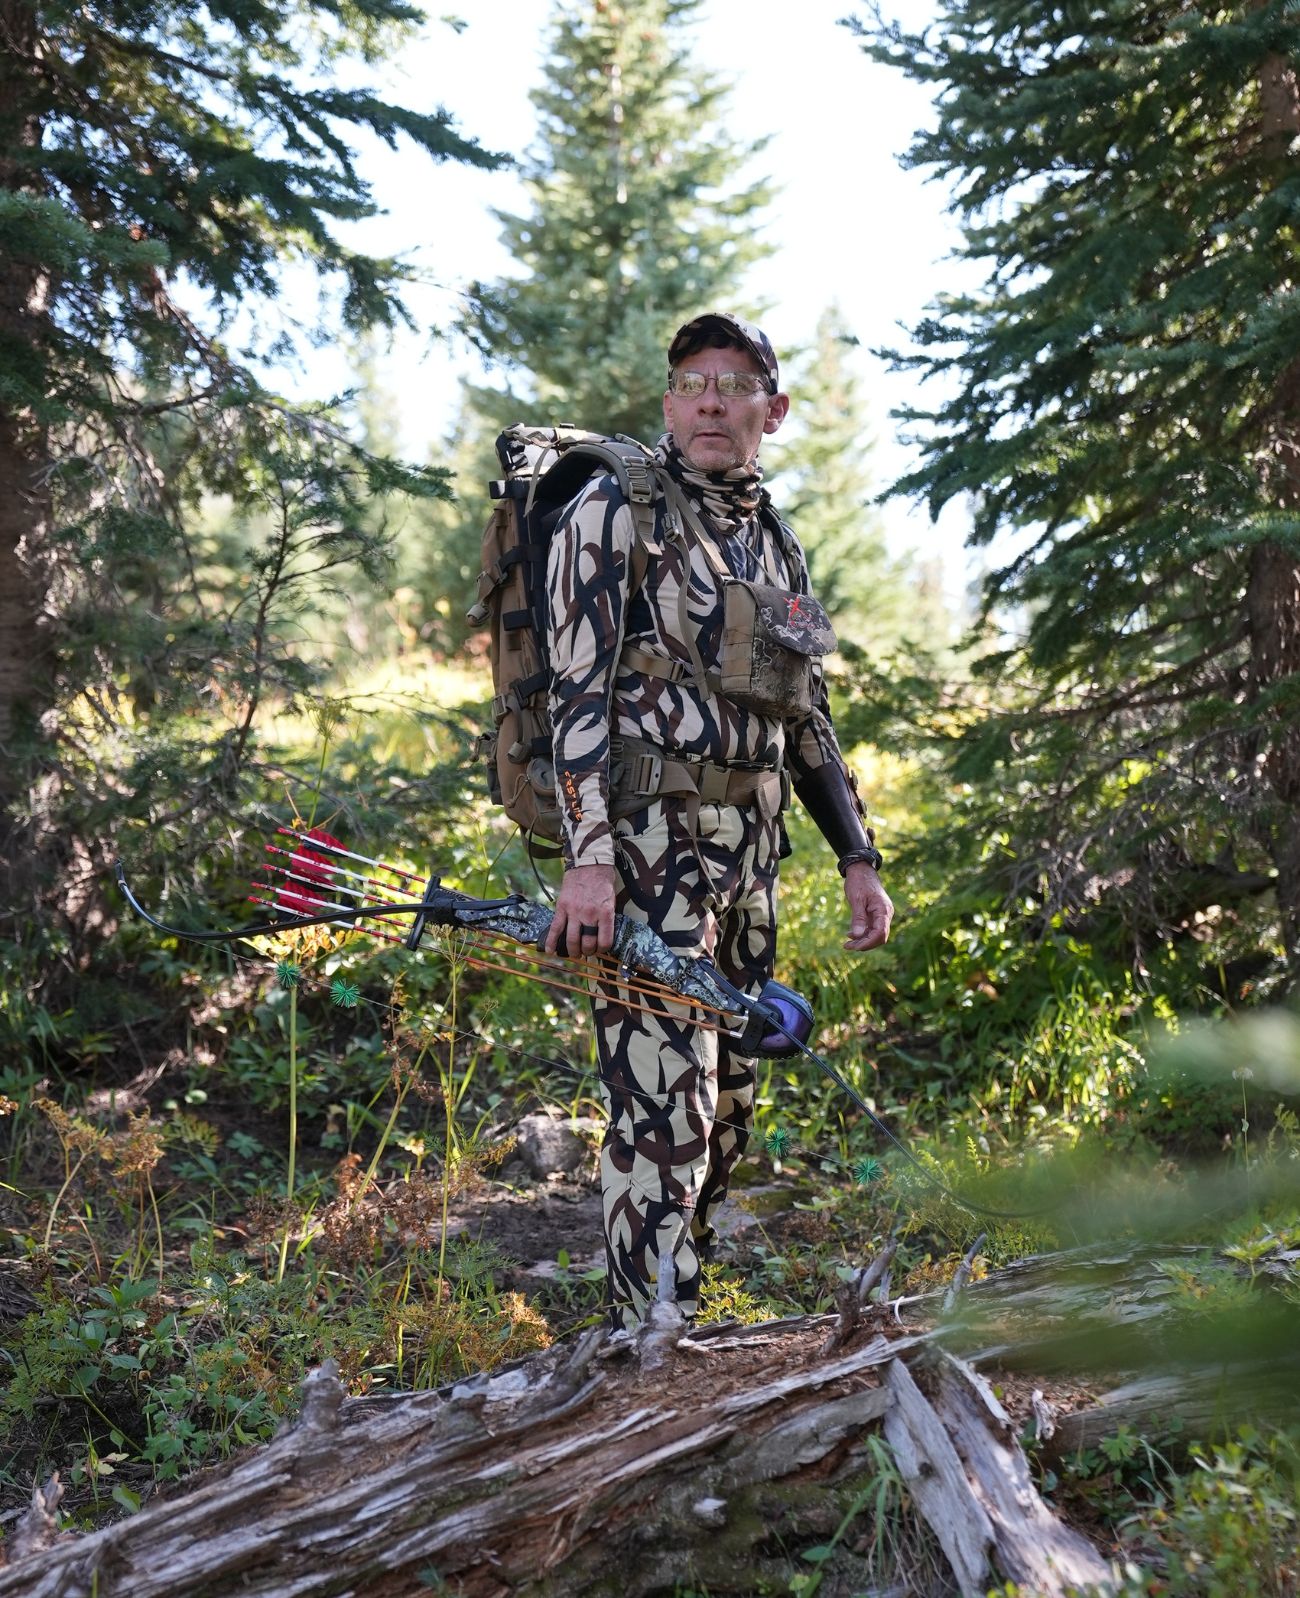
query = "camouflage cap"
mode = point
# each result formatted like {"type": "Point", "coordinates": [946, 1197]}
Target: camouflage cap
{"type": "Point", "coordinates": [691, 336]}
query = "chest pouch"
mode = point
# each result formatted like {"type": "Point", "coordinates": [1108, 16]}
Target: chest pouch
{"type": "Point", "coordinates": [773, 642]}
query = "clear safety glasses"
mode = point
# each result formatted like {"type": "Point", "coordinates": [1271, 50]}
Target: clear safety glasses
{"type": "Point", "coordinates": [731, 385]}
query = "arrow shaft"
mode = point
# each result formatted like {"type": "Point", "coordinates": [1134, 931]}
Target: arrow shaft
{"type": "Point", "coordinates": [337, 917]}
{"type": "Point", "coordinates": [318, 845]}
{"type": "Point", "coordinates": [595, 973]}
{"type": "Point", "coordinates": [316, 885]}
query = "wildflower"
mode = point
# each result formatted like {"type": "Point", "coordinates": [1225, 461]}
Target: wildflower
{"type": "Point", "coordinates": [328, 714]}
{"type": "Point", "coordinates": [138, 1149]}
{"type": "Point", "coordinates": [74, 1132]}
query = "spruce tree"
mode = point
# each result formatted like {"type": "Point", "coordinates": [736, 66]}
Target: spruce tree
{"type": "Point", "coordinates": [826, 490]}
{"type": "Point", "coordinates": [1126, 400]}
{"type": "Point", "coordinates": [636, 218]}
{"type": "Point", "coordinates": [160, 164]}
{"type": "Point", "coordinates": [637, 221]}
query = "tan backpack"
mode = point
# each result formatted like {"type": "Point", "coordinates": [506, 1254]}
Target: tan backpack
{"type": "Point", "coordinates": [545, 469]}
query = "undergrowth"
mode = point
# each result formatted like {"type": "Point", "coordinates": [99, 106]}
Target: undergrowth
{"type": "Point", "coordinates": [227, 1165]}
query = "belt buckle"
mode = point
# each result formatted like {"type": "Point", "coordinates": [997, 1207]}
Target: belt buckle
{"type": "Point", "coordinates": [646, 774]}
{"type": "Point", "coordinates": [714, 784]}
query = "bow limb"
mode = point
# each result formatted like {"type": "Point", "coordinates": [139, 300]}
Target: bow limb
{"type": "Point", "coordinates": [343, 916]}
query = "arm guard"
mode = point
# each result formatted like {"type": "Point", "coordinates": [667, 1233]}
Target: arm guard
{"type": "Point", "coordinates": [830, 797]}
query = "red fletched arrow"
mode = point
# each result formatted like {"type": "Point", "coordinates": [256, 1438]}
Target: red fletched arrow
{"type": "Point", "coordinates": [318, 876]}
{"type": "Point", "coordinates": [311, 879]}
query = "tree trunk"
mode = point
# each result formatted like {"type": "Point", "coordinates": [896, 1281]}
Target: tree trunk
{"type": "Point", "coordinates": [1273, 599]}
{"type": "Point", "coordinates": [1273, 592]}
{"type": "Point", "coordinates": [24, 527]}
{"type": "Point", "coordinates": [25, 506]}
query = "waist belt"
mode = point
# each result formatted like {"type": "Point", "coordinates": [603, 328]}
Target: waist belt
{"type": "Point", "coordinates": [641, 772]}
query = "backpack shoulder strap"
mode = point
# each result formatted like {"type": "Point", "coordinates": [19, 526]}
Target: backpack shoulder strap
{"type": "Point", "coordinates": [783, 536]}
{"type": "Point", "coordinates": [629, 462]}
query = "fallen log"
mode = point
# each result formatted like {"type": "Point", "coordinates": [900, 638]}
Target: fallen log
{"type": "Point", "coordinates": [1182, 1406]}
{"type": "Point", "coordinates": [573, 1469]}
{"type": "Point", "coordinates": [934, 1472]}
{"type": "Point", "coordinates": [719, 1457]}
{"type": "Point", "coordinates": [1161, 1361]}
{"type": "Point", "coordinates": [1032, 1546]}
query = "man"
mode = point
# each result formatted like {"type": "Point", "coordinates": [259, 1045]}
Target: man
{"type": "Point", "coordinates": [671, 783]}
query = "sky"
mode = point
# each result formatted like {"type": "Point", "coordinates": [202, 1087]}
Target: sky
{"type": "Point", "coordinates": [849, 225]}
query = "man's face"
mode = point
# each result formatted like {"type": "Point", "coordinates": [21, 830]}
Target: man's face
{"type": "Point", "coordinates": [715, 433]}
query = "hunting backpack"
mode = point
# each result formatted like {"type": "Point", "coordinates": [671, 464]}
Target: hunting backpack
{"type": "Point", "coordinates": [545, 468]}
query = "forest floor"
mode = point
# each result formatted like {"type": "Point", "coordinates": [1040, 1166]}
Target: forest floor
{"type": "Point", "coordinates": [173, 1289]}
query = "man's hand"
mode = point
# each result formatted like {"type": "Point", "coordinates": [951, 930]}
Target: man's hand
{"type": "Point", "coordinates": [583, 920]}
{"type": "Point", "coordinates": [870, 906]}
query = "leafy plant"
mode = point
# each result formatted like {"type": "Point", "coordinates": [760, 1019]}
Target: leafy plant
{"type": "Point", "coordinates": [1230, 1526]}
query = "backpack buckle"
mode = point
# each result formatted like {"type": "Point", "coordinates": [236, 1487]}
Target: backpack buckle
{"type": "Point", "coordinates": [645, 773]}
{"type": "Point", "coordinates": [639, 482]}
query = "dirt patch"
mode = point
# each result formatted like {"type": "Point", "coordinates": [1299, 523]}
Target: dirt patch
{"type": "Point", "coordinates": [1016, 1392]}
{"type": "Point", "coordinates": [532, 1224]}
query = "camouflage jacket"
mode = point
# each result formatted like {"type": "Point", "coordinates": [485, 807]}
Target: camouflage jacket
{"type": "Point", "coordinates": [594, 699]}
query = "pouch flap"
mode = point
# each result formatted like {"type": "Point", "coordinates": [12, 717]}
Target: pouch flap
{"type": "Point", "coordinates": [795, 621]}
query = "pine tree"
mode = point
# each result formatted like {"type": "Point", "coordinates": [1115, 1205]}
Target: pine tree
{"type": "Point", "coordinates": [826, 488]}
{"type": "Point", "coordinates": [1126, 397]}
{"type": "Point", "coordinates": [636, 222]}
{"type": "Point", "coordinates": [160, 164]}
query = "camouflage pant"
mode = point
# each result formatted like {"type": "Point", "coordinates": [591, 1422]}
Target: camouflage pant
{"type": "Point", "coordinates": [672, 1089]}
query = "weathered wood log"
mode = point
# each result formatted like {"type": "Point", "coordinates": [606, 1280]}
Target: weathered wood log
{"type": "Point", "coordinates": [39, 1527]}
{"type": "Point", "coordinates": [1031, 1545]}
{"type": "Point", "coordinates": [1055, 1305]}
{"type": "Point", "coordinates": [1188, 1404]}
{"type": "Point", "coordinates": [636, 1466]}
{"type": "Point", "coordinates": [962, 1274]}
{"type": "Point", "coordinates": [1122, 1319]}
{"type": "Point", "coordinates": [930, 1465]}
{"type": "Point", "coordinates": [558, 1475]}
